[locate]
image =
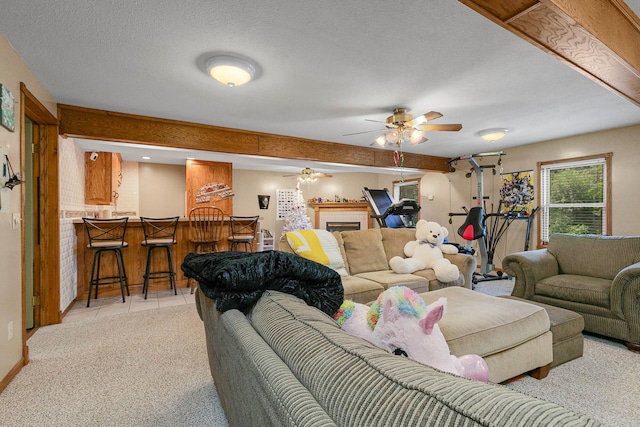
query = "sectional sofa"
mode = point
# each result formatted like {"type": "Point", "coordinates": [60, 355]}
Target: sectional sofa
{"type": "Point", "coordinates": [284, 363]}
{"type": "Point", "coordinates": [366, 254]}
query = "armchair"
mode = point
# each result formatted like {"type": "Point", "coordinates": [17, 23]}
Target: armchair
{"type": "Point", "coordinates": [595, 276]}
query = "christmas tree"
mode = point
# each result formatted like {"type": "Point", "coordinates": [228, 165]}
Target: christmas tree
{"type": "Point", "coordinates": [297, 218]}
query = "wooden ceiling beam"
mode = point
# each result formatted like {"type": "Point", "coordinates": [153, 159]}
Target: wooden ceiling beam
{"type": "Point", "coordinates": [80, 122]}
{"type": "Point", "coordinates": [598, 38]}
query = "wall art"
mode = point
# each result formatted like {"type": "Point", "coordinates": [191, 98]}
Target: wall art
{"type": "Point", "coordinates": [8, 114]}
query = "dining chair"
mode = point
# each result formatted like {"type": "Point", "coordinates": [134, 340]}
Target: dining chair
{"type": "Point", "coordinates": [243, 232]}
{"type": "Point", "coordinates": [159, 233]}
{"type": "Point", "coordinates": [205, 231]}
{"type": "Point", "coordinates": [106, 235]}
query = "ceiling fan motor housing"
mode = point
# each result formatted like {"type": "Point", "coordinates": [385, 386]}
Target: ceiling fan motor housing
{"type": "Point", "coordinates": [398, 118]}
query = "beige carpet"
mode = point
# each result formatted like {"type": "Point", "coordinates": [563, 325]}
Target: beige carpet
{"type": "Point", "coordinates": [150, 368]}
{"type": "Point", "coordinates": [146, 368]}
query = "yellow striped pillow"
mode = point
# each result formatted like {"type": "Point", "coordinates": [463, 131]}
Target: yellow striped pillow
{"type": "Point", "coordinates": [317, 245]}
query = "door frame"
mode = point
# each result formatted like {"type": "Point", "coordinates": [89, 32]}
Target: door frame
{"type": "Point", "coordinates": [48, 271]}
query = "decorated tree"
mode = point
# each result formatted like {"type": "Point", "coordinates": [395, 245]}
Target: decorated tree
{"type": "Point", "coordinates": [297, 218]}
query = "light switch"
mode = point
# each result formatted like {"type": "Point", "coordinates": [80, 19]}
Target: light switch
{"type": "Point", "coordinates": [15, 221]}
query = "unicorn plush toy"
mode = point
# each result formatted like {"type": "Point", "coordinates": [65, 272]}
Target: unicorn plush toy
{"type": "Point", "coordinates": [401, 323]}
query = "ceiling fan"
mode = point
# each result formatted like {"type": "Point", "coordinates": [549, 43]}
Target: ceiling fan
{"type": "Point", "coordinates": [309, 175]}
{"type": "Point", "coordinates": [403, 127]}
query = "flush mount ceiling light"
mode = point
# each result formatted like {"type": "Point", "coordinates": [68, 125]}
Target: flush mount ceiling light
{"type": "Point", "coordinates": [493, 134]}
{"type": "Point", "coordinates": [231, 70]}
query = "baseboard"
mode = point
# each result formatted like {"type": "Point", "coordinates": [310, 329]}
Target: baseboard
{"type": "Point", "coordinates": [11, 374]}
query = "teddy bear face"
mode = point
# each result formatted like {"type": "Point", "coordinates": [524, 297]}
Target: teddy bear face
{"type": "Point", "coordinates": [431, 232]}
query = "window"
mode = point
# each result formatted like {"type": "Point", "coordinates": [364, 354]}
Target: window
{"type": "Point", "coordinates": [575, 196]}
{"type": "Point", "coordinates": [409, 189]}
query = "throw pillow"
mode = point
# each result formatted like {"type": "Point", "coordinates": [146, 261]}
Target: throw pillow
{"type": "Point", "coordinates": [317, 245]}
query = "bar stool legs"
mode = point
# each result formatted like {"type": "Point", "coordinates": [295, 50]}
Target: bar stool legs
{"type": "Point", "coordinates": [96, 280]}
{"type": "Point", "coordinates": [170, 273]}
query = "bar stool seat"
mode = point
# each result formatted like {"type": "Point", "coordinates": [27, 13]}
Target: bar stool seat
{"type": "Point", "coordinates": [159, 233]}
{"type": "Point", "coordinates": [243, 232]}
{"type": "Point", "coordinates": [106, 235]}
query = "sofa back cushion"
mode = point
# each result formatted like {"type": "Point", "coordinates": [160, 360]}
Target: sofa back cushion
{"type": "Point", "coordinates": [364, 250]}
{"type": "Point", "coordinates": [594, 256]}
{"type": "Point", "coordinates": [395, 239]}
{"type": "Point", "coordinates": [359, 384]}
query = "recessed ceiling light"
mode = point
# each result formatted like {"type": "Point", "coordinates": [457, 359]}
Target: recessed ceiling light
{"type": "Point", "coordinates": [146, 158]}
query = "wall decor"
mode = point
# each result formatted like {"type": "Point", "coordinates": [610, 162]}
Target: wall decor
{"type": "Point", "coordinates": [517, 192]}
{"type": "Point", "coordinates": [7, 114]}
{"type": "Point", "coordinates": [213, 191]}
{"type": "Point", "coordinates": [285, 200]}
{"type": "Point", "coordinates": [263, 201]}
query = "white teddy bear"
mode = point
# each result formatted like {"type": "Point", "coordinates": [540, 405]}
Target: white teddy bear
{"type": "Point", "coordinates": [426, 252]}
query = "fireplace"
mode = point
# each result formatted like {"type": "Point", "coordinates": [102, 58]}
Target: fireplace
{"type": "Point", "coordinates": [343, 225]}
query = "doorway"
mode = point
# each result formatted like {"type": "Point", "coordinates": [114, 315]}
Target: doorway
{"type": "Point", "coordinates": [30, 232]}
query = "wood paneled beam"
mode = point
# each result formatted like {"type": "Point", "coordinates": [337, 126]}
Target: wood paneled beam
{"type": "Point", "coordinates": [599, 38]}
{"type": "Point", "coordinates": [80, 122]}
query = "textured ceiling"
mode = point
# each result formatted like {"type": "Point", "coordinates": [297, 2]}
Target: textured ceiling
{"type": "Point", "coordinates": [326, 67]}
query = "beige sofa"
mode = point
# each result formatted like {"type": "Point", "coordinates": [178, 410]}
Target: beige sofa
{"type": "Point", "coordinates": [367, 253]}
{"type": "Point", "coordinates": [595, 276]}
{"type": "Point", "coordinates": [285, 363]}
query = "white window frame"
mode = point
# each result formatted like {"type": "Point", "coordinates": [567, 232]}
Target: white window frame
{"type": "Point", "coordinates": [544, 169]}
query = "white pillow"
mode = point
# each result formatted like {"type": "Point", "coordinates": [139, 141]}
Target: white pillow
{"type": "Point", "coordinates": [317, 245]}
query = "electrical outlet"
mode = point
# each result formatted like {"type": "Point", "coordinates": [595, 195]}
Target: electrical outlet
{"type": "Point", "coordinates": [15, 220]}
{"type": "Point", "coordinates": [10, 330]}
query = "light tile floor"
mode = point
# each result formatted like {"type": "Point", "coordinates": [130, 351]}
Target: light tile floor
{"type": "Point", "coordinates": [136, 302]}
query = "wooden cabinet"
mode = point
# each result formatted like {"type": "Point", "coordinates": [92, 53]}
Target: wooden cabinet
{"type": "Point", "coordinates": [102, 178]}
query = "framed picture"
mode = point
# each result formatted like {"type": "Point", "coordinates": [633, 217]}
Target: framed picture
{"type": "Point", "coordinates": [8, 115]}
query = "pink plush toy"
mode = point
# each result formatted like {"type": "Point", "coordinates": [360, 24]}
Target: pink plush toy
{"type": "Point", "coordinates": [401, 323]}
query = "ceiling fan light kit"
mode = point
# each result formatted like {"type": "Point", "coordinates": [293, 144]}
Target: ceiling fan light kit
{"type": "Point", "coordinates": [493, 134]}
{"type": "Point", "coordinates": [231, 70]}
{"type": "Point", "coordinates": [403, 127]}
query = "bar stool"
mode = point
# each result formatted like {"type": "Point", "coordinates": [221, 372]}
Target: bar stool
{"type": "Point", "coordinates": [106, 235]}
{"type": "Point", "coordinates": [205, 231]}
{"type": "Point", "coordinates": [243, 232]}
{"type": "Point", "coordinates": [159, 233]}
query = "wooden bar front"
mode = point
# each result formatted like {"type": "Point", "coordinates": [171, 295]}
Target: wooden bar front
{"type": "Point", "coordinates": [135, 259]}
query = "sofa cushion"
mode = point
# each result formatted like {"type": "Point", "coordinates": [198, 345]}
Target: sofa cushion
{"type": "Point", "coordinates": [388, 278]}
{"type": "Point", "coordinates": [348, 375]}
{"type": "Point", "coordinates": [360, 290]}
{"type": "Point", "coordinates": [364, 250]}
{"type": "Point", "coordinates": [594, 256]}
{"type": "Point", "coordinates": [571, 287]}
{"type": "Point", "coordinates": [338, 236]}
{"type": "Point", "coordinates": [395, 239]}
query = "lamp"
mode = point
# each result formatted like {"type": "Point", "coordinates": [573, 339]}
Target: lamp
{"type": "Point", "coordinates": [231, 70]}
{"type": "Point", "coordinates": [13, 177]}
{"type": "Point", "coordinates": [493, 134]}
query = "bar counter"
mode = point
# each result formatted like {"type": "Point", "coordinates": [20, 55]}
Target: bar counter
{"type": "Point", "coordinates": [135, 258]}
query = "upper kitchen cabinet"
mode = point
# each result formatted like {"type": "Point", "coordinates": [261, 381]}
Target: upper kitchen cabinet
{"type": "Point", "coordinates": [102, 178]}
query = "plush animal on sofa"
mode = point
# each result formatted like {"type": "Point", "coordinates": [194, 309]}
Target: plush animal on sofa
{"type": "Point", "coordinates": [426, 252]}
{"type": "Point", "coordinates": [401, 323]}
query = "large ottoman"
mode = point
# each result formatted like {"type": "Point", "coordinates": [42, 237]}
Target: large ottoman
{"type": "Point", "coordinates": [512, 336]}
{"type": "Point", "coordinates": [566, 328]}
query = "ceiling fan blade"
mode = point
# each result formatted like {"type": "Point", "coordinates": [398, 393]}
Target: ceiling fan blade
{"type": "Point", "coordinates": [375, 121]}
{"type": "Point", "coordinates": [431, 115]}
{"type": "Point", "coordinates": [359, 133]}
{"type": "Point", "coordinates": [323, 175]}
{"type": "Point", "coordinates": [452, 127]}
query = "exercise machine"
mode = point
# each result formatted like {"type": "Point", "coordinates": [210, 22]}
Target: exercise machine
{"type": "Point", "coordinates": [390, 214]}
{"type": "Point", "coordinates": [474, 227]}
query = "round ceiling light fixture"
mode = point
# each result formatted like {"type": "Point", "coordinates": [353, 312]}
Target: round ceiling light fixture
{"type": "Point", "coordinates": [231, 70]}
{"type": "Point", "coordinates": [493, 134]}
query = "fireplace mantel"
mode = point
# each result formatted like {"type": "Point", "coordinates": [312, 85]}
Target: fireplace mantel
{"type": "Point", "coordinates": [341, 207]}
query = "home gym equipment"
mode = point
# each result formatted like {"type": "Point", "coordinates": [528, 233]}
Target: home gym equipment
{"type": "Point", "coordinates": [390, 214]}
{"type": "Point", "coordinates": [475, 226]}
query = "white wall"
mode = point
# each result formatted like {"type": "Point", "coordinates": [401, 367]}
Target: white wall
{"type": "Point", "coordinates": [13, 70]}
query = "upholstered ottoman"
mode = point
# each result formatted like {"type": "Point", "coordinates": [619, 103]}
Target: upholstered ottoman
{"type": "Point", "coordinates": [566, 327]}
{"type": "Point", "coordinates": [512, 336]}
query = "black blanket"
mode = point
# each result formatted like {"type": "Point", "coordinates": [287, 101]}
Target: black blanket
{"type": "Point", "coordinates": [238, 279]}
